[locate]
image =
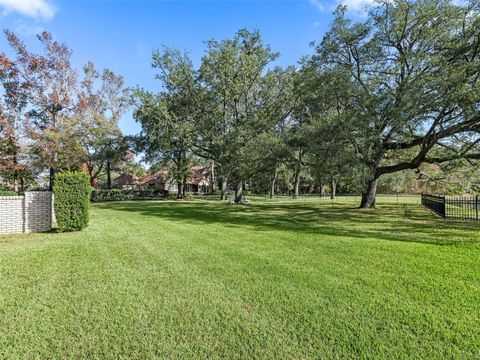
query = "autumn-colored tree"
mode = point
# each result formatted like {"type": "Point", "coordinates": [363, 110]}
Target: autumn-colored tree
{"type": "Point", "coordinates": [12, 111]}
{"type": "Point", "coordinates": [49, 85]}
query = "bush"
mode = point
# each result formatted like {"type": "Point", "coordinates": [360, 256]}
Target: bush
{"type": "Point", "coordinates": [5, 191]}
{"type": "Point", "coordinates": [72, 200]}
{"type": "Point", "coordinates": [8, 193]}
{"type": "Point", "coordinates": [133, 194]}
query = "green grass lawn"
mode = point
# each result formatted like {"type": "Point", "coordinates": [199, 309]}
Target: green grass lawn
{"type": "Point", "coordinates": [202, 279]}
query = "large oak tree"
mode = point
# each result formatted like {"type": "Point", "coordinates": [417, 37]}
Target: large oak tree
{"type": "Point", "coordinates": [412, 77]}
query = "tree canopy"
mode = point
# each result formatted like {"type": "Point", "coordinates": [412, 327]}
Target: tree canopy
{"type": "Point", "coordinates": [383, 101]}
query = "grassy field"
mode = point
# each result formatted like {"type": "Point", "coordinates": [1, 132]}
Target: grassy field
{"type": "Point", "coordinates": [202, 279]}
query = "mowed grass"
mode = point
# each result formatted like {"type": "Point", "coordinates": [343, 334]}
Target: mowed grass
{"type": "Point", "coordinates": [203, 279]}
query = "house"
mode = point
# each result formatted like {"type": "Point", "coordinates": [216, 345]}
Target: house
{"type": "Point", "coordinates": [160, 180]}
{"type": "Point", "coordinates": [126, 181]}
{"type": "Point", "coordinates": [199, 180]}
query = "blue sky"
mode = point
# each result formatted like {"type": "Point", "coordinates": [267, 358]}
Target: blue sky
{"type": "Point", "coordinates": [121, 34]}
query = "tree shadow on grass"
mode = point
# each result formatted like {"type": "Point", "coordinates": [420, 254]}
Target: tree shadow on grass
{"type": "Point", "coordinates": [388, 222]}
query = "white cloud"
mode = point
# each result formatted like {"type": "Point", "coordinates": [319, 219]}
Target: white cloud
{"type": "Point", "coordinates": [318, 4]}
{"type": "Point", "coordinates": [26, 29]}
{"type": "Point", "coordinates": [38, 9]}
{"type": "Point", "coordinates": [352, 5]}
{"type": "Point", "coordinates": [357, 5]}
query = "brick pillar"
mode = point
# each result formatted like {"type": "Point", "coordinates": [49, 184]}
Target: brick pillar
{"type": "Point", "coordinates": [38, 211]}
{"type": "Point", "coordinates": [11, 214]}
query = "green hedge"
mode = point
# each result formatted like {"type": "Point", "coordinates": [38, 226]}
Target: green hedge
{"type": "Point", "coordinates": [8, 193]}
{"type": "Point", "coordinates": [72, 200]}
{"type": "Point", "coordinates": [5, 191]}
{"type": "Point", "coordinates": [122, 195]}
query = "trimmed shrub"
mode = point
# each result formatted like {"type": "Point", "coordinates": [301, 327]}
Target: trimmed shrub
{"type": "Point", "coordinates": [72, 200]}
{"type": "Point", "coordinates": [5, 191]}
{"type": "Point", "coordinates": [8, 193]}
{"type": "Point", "coordinates": [133, 194]}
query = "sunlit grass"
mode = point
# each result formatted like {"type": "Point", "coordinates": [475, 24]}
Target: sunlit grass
{"type": "Point", "coordinates": [204, 279]}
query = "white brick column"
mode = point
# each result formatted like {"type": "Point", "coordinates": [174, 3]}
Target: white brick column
{"type": "Point", "coordinates": [11, 214]}
{"type": "Point", "coordinates": [38, 211]}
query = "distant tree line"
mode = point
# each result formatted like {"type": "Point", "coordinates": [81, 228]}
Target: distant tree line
{"type": "Point", "coordinates": [380, 104]}
{"type": "Point", "coordinates": [396, 92]}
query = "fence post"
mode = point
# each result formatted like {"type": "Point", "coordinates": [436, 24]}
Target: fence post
{"type": "Point", "coordinates": [476, 207]}
{"type": "Point", "coordinates": [444, 207]}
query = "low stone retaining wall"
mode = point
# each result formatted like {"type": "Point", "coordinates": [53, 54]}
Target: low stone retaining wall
{"type": "Point", "coordinates": [31, 212]}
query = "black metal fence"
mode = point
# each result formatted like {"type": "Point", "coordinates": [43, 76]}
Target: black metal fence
{"type": "Point", "coordinates": [354, 199]}
{"type": "Point", "coordinates": [459, 208]}
{"type": "Point", "coordinates": [434, 203]}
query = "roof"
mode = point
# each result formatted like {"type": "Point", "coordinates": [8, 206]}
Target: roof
{"type": "Point", "coordinates": [199, 175]}
{"type": "Point", "coordinates": [160, 177]}
{"type": "Point", "coordinates": [127, 179]}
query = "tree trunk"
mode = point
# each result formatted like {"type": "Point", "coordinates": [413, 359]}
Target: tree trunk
{"type": "Point", "coordinates": [92, 177]}
{"type": "Point", "coordinates": [333, 193]}
{"type": "Point", "coordinates": [184, 190]}
{"type": "Point", "coordinates": [212, 179]}
{"type": "Point", "coordinates": [55, 159]}
{"type": "Point", "coordinates": [109, 175]}
{"type": "Point", "coordinates": [298, 169]}
{"type": "Point", "coordinates": [223, 190]}
{"type": "Point", "coordinates": [322, 190]}
{"type": "Point", "coordinates": [180, 189]}
{"type": "Point", "coordinates": [272, 188]}
{"type": "Point", "coordinates": [297, 184]}
{"type": "Point", "coordinates": [238, 192]}
{"type": "Point", "coordinates": [15, 176]}
{"type": "Point", "coordinates": [297, 187]}
{"type": "Point", "coordinates": [15, 183]}
{"type": "Point", "coordinates": [51, 178]}
{"type": "Point", "coordinates": [368, 197]}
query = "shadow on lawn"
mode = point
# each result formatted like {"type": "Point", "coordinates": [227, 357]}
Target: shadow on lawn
{"type": "Point", "coordinates": [388, 222]}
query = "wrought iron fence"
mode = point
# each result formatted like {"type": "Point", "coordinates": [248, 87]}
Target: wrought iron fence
{"type": "Point", "coordinates": [459, 208]}
{"type": "Point", "coordinates": [353, 199]}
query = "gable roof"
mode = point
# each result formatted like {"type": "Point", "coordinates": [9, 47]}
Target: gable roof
{"type": "Point", "coordinates": [127, 179]}
{"type": "Point", "coordinates": [160, 177]}
{"type": "Point", "coordinates": [199, 175]}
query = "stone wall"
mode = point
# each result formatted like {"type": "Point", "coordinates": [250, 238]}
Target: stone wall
{"type": "Point", "coordinates": [29, 213]}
